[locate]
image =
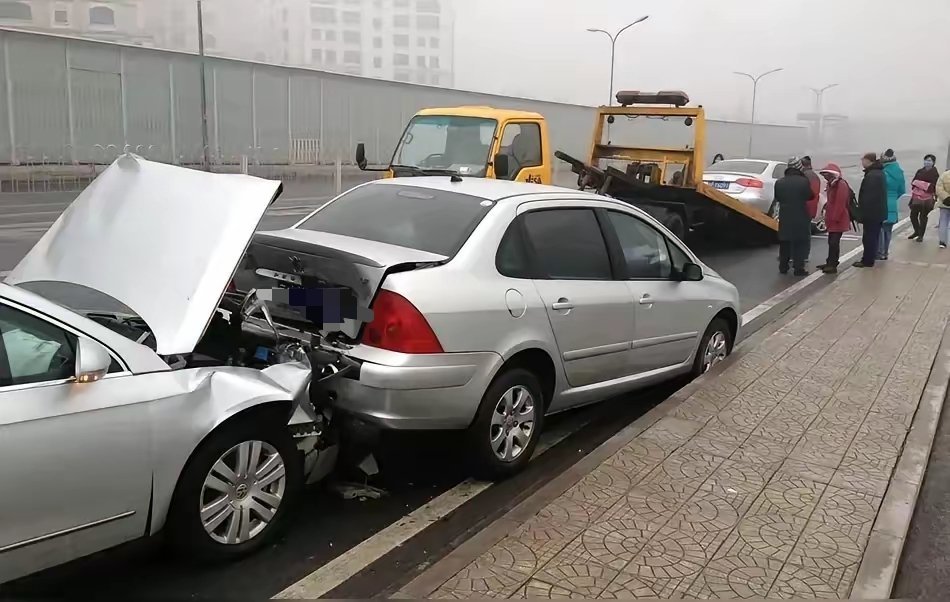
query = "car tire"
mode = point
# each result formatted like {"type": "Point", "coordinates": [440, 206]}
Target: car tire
{"type": "Point", "coordinates": [493, 434]}
{"type": "Point", "coordinates": [185, 528]}
{"type": "Point", "coordinates": [718, 337]}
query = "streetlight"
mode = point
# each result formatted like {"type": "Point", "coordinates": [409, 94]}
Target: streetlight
{"type": "Point", "coordinates": [204, 92]}
{"type": "Point", "coordinates": [613, 49]}
{"type": "Point", "coordinates": [820, 109]}
{"type": "Point", "coordinates": [755, 92]}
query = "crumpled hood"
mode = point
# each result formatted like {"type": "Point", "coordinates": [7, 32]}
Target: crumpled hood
{"type": "Point", "coordinates": [163, 240]}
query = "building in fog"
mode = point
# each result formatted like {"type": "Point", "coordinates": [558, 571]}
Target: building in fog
{"type": "Point", "coordinates": [122, 21]}
{"type": "Point", "coordinates": [402, 40]}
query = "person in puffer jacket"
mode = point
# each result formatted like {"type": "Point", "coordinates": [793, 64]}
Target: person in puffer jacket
{"type": "Point", "coordinates": [896, 188]}
{"type": "Point", "coordinates": [837, 215]}
{"type": "Point", "coordinates": [943, 202]}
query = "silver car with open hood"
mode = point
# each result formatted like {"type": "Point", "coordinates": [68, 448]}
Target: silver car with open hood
{"type": "Point", "coordinates": [137, 394]}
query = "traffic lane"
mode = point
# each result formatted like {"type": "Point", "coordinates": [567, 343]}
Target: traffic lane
{"type": "Point", "coordinates": [415, 468]}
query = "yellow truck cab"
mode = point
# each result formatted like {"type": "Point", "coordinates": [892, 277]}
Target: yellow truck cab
{"type": "Point", "coordinates": [477, 142]}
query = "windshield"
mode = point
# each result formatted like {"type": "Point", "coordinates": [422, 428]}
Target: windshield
{"type": "Point", "coordinates": [750, 167]}
{"type": "Point", "coordinates": [460, 144]}
{"type": "Point", "coordinates": [406, 216]}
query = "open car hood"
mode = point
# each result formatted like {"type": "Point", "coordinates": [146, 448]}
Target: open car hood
{"type": "Point", "coordinates": [161, 239]}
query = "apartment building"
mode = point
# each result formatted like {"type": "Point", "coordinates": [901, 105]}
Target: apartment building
{"type": "Point", "coordinates": [110, 20]}
{"type": "Point", "coordinates": [401, 40]}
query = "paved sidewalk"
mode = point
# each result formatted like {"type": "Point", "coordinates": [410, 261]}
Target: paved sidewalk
{"type": "Point", "coordinates": [765, 482]}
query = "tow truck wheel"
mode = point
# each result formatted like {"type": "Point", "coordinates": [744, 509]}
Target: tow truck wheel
{"type": "Point", "coordinates": [235, 493]}
{"type": "Point", "coordinates": [508, 425]}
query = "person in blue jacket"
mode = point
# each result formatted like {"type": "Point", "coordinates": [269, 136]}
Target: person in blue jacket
{"type": "Point", "coordinates": [896, 188]}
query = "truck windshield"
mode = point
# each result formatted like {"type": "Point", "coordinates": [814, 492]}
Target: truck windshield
{"type": "Point", "coordinates": [444, 142]}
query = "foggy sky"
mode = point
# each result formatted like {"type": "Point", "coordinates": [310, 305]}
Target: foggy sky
{"type": "Point", "coordinates": [890, 57]}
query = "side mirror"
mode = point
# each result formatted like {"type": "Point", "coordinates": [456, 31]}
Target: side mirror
{"type": "Point", "coordinates": [92, 361]}
{"type": "Point", "coordinates": [691, 273]}
{"type": "Point", "coordinates": [502, 167]}
{"type": "Point", "coordinates": [361, 156]}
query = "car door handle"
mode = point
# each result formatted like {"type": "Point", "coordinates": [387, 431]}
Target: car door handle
{"type": "Point", "coordinates": [646, 300]}
{"type": "Point", "coordinates": [562, 304]}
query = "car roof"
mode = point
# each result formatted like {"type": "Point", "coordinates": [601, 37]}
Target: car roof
{"type": "Point", "coordinates": [485, 188]}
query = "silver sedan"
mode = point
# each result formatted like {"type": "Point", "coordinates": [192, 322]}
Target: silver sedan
{"type": "Point", "coordinates": [123, 410]}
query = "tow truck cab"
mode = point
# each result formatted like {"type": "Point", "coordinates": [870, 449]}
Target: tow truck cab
{"type": "Point", "coordinates": [478, 142]}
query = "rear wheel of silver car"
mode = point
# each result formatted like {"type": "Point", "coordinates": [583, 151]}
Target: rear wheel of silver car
{"type": "Point", "coordinates": [506, 429]}
{"type": "Point", "coordinates": [235, 492]}
{"type": "Point", "coordinates": [715, 347]}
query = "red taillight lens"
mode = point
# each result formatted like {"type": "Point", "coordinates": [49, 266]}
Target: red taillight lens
{"type": "Point", "coordinates": [750, 183]}
{"type": "Point", "coordinates": [398, 326]}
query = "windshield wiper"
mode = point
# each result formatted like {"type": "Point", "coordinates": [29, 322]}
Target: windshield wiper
{"type": "Point", "coordinates": [419, 171]}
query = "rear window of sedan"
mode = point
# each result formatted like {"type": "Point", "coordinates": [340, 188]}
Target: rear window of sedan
{"type": "Point", "coordinates": [406, 216]}
{"type": "Point", "coordinates": [750, 167]}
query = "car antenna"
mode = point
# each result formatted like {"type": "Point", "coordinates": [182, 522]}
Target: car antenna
{"type": "Point", "coordinates": [456, 178]}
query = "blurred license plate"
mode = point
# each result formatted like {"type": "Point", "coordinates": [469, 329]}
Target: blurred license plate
{"type": "Point", "coordinates": [720, 185]}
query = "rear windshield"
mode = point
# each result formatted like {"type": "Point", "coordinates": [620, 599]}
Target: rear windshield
{"type": "Point", "coordinates": [417, 218]}
{"type": "Point", "coordinates": [750, 167]}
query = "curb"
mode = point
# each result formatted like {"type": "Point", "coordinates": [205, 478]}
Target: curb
{"type": "Point", "coordinates": [878, 569]}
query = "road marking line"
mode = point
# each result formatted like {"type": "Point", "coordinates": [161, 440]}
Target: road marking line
{"type": "Point", "coordinates": [342, 568]}
{"type": "Point", "coordinates": [760, 309]}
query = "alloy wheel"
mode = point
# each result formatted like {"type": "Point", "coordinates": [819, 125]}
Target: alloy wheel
{"type": "Point", "coordinates": [716, 351]}
{"type": "Point", "coordinates": [242, 492]}
{"type": "Point", "coordinates": [512, 424]}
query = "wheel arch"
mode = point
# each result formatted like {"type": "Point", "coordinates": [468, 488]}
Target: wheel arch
{"type": "Point", "coordinates": [731, 318]}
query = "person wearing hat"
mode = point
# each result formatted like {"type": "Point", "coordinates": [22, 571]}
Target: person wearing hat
{"type": "Point", "coordinates": [896, 188]}
{"type": "Point", "coordinates": [872, 206]}
{"type": "Point", "coordinates": [923, 190]}
{"type": "Point", "coordinates": [837, 215]}
{"type": "Point", "coordinates": [943, 202]}
{"type": "Point", "coordinates": [792, 193]}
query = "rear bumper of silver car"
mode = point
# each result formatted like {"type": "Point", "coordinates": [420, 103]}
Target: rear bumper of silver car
{"type": "Point", "coordinates": [418, 392]}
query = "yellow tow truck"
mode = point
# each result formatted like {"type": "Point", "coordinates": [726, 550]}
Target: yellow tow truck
{"type": "Point", "coordinates": [478, 142]}
{"type": "Point", "coordinates": [667, 182]}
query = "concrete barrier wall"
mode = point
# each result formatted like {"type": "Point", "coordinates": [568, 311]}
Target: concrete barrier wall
{"type": "Point", "coordinates": [64, 100]}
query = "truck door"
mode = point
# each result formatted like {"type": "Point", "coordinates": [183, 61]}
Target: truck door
{"type": "Point", "coordinates": [522, 142]}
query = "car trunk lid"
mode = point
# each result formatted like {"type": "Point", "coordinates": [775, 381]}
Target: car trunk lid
{"type": "Point", "coordinates": [314, 260]}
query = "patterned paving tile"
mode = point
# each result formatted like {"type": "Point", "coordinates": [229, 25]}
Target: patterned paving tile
{"type": "Point", "coordinates": [795, 582]}
{"type": "Point", "coordinates": [614, 541]}
{"type": "Point", "coordinates": [560, 521]}
{"type": "Point", "coordinates": [634, 587]}
{"type": "Point", "coordinates": [572, 570]}
{"type": "Point", "coordinates": [717, 393]}
{"type": "Point", "coordinates": [770, 535]}
{"type": "Point", "coordinates": [783, 426]}
{"type": "Point", "coordinates": [686, 464]}
{"type": "Point", "coordinates": [859, 475]}
{"type": "Point", "coordinates": [736, 577]}
{"type": "Point", "coordinates": [499, 572]}
{"type": "Point", "coordinates": [716, 439]}
{"type": "Point", "coordinates": [812, 472]}
{"type": "Point", "coordinates": [786, 495]}
{"type": "Point", "coordinates": [825, 546]}
{"type": "Point", "coordinates": [672, 560]}
{"type": "Point", "coordinates": [697, 410]}
{"type": "Point", "coordinates": [847, 508]}
{"type": "Point", "coordinates": [603, 486]}
{"type": "Point", "coordinates": [737, 478]}
{"type": "Point", "coordinates": [764, 451]}
{"type": "Point", "coordinates": [656, 501]}
{"type": "Point", "coordinates": [670, 433]}
{"type": "Point", "coordinates": [709, 517]}
{"type": "Point", "coordinates": [816, 449]}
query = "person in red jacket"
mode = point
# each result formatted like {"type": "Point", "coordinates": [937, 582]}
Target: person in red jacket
{"type": "Point", "coordinates": [837, 215]}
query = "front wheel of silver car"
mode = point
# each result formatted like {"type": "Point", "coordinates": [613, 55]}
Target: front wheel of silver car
{"type": "Point", "coordinates": [235, 492]}
{"type": "Point", "coordinates": [506, 429]}
{"type": "Point", "coordinates": [715, 347]}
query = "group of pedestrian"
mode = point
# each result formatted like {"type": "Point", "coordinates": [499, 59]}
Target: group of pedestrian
{"type": "Point", "coordinates": [875, 208]}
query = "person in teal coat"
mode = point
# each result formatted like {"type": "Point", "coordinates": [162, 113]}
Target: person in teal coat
{"type": "Point", "coordinates": [896, 188]}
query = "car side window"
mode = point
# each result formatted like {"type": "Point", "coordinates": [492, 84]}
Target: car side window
{"type": "Point", "coordinates": [779, 171]}
{"type": "Point", "coordinates": [32, 350]}
{"type": "Point", "coordinates": [568, 244]}
{"type": "Point", "coordinates": [512, 257]}
{"type": "Point", "coordinates": [645, 251]}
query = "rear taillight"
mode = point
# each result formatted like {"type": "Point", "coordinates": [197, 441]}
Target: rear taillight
{"type": "Point", "coordinates": [750, 183]}
{"type": "Point", "coordinates": [398, 326]}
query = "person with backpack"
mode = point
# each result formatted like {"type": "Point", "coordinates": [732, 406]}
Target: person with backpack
{"type": "Point", "coordinates": [872, 208]}
{"type": "Point", "coordinates": [837, 214]}
{"type": "Point", "coordinates": [943, 201]}
{"type": "Point", "coordinates": [923, 190]}
{"type": "Point", "coordinates": [896, 188]}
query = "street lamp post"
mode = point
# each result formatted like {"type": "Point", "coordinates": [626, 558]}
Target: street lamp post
{"type": "Point", "coordinates": [820, 110]}
{"type": "Point", "coordinates": [613, 50]}
{"type": "Point", "coordinates": [205, 145]}
{"type": "Point", "coordinates": [755, 93]}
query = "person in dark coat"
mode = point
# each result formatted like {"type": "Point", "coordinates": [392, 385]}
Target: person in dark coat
{"type": "Point", "coordinates": [923, 196]}
{"type": "Point", "coordinates": [792, 193]}
{"type": "Point", "coordinates": [872, 205]}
